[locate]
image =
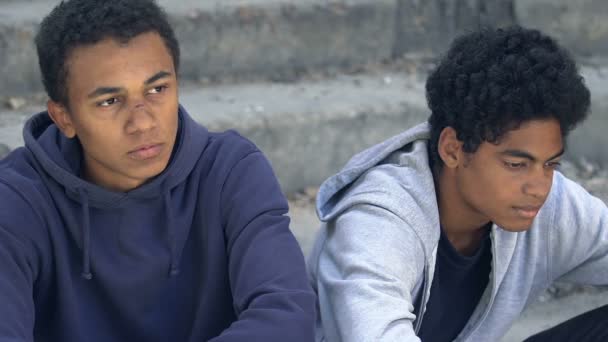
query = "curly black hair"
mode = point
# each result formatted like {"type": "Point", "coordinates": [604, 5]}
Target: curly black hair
{"type": "Point", "coordinates": [492, 80]}
{"type": "Point", "coordinates": [75, 23]}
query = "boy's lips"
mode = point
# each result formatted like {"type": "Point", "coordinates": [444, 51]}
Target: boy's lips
{"type": "Point", "coordinates": [145, 152]}
{"type": "Point", "coordinates": [528, 211]}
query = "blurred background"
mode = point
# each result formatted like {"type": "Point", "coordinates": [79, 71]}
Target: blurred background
{"type": "Point", "coordinates": [312, 82]}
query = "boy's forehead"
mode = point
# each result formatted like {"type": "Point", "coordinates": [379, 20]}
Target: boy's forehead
{"type": "Point", "coordinates": [532, 129]}
{"type": "Point", "coordinates": [110, 45]}
{"type": "Point", "coordinates": [538, 137]}
{"type": "Point", "coordinates": [110, 59]}
{"type": "Point", "coordinates": [113, 63]}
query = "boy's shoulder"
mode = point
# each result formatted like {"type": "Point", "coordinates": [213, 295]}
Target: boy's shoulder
{"type": "Point", "coordinates": [22, 198]}
{"type": "Point", "coordinates": [20, 182]}
{"type": "Point", "coordinates": [231, 141]}
{"type": "Point", "coordinates": [223, 153]}
{"type": "Point", "coordinates": [17, 170]}
{"type": "Point", "coordinates": [225, 149]}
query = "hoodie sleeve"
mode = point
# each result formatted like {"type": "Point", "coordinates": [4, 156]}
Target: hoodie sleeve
{"type": "Point", "coordinates": [272, 297]}
{"type": "Point", "coordinates": [366, 274]}
{"type": "Point", "coordinates": [579, 238]}
{"type": "Point", "coordinates": [18, 269]}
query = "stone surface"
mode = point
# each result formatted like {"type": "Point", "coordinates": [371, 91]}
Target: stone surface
{"type": "Point", "coordinates": [219, 39]}
{"type": "Point", "coordinates": [15, 103]}
{"type": "Point", "coordinates": [590, 140]}
{"type": "Point", "coordinates": [544, 315]}
{"type": "Point", "coordinates": [580, 25]}
{"type": "Point", "coordinates": [4, 150]}
{"type": "Point", "coordinates": [283, 39]}
{"type": "Point", "coordinates": [428, 26]}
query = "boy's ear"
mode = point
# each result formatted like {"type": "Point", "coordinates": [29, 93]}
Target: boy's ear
{"type": "Point", "coordinates": [450, 148]}
{"type": "Point", "coordinates": [60, 116]}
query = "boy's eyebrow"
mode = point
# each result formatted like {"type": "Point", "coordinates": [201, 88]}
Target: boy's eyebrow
{"type": "Point", "coordinates": [157, 76]}
{"type": "Point", "coordinates": [526, 155]}
{"type": "Point", "coordinates": [113, 90]}
{"type": "Point", "coordinates": [104, 91]}
{"type": "Point", "coordinates": [557, 155]}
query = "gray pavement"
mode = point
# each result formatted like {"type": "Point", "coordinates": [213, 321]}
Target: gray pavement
{"type": "Point", "coordinates": [540, 315]}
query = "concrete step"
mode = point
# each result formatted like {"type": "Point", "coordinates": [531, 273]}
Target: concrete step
{"type": "Point", "coordinates": [540, 316]}
{"type": "Point", "coordinates": [283, 39]}
{"type": "Point", "coordinates": [581, 25]}
{"type": "Point", "coordinates": [309, 129]}
{"type": "Point", "coordinates": [271, 39]}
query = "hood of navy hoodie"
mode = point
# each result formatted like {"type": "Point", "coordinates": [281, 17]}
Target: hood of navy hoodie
{"type": "Point", "coordinates": [59, 158]}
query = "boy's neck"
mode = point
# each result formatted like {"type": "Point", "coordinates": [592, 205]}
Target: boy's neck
{"type": "Point", "coordinates": [463, 225]}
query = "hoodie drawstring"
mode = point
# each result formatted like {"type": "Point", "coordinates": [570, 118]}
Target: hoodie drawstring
{"type": "Point", "coordinates": [174, 268]}
{"type": "Point", "coordinates": [86, 237]}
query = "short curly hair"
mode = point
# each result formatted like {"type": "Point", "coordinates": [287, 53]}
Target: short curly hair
{"type": "Point", "coordinates": [74, 23]}
{"type": "Point", "coordinates": [492, 80]}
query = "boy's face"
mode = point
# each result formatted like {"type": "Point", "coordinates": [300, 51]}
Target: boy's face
{"type": "Point", "coordinates": [123, 108]}
{"type": "Point", "coordinates": [507, 183]}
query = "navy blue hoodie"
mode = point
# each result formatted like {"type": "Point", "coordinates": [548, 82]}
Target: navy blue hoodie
{"type": "Point", "coordinates": [201, 252]}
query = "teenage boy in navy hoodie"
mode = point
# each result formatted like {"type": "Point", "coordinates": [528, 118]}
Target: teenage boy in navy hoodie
{"type": "Point", "coordinates": [124, 220]}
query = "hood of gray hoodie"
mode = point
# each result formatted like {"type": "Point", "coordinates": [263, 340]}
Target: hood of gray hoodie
{"type": "Point", "coordinates": [395, 176]}
{"type": "Point", "coordinates": [400, 160]}
{"type": "Point", "coordinates": [382, 176]}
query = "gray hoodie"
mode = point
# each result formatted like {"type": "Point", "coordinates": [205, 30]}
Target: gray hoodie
{"type": "Point", "coordinates": [376, 250]}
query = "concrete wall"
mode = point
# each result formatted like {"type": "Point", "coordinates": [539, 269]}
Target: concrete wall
{"type": "Point", "coordinates": [581, 25]}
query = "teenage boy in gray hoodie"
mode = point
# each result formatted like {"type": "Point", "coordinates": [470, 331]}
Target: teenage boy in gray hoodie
{"type": "Point", "coordinates": [448, 230]}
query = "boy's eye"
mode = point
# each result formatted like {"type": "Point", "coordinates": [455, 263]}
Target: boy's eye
{"type": "Point", "coordinates": [554, 165]}
{"type": "Point", "coordinates": [108, 102]}
{"type": "Point", "coordinates": [157, 90]}
{"type": "Point", "coordinates": [512, 165]}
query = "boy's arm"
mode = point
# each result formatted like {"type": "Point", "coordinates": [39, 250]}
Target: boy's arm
{"type": "Point", "coordinates": [18, 268]}
{"type": "Point", "coordinates": [366, 274]}
{"type": "Point", "coordinates": [579, 236]}
{"type": "Point", "coordinates": [16, 290]}
{"type": "Point", "coordinates": [272, 297]}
